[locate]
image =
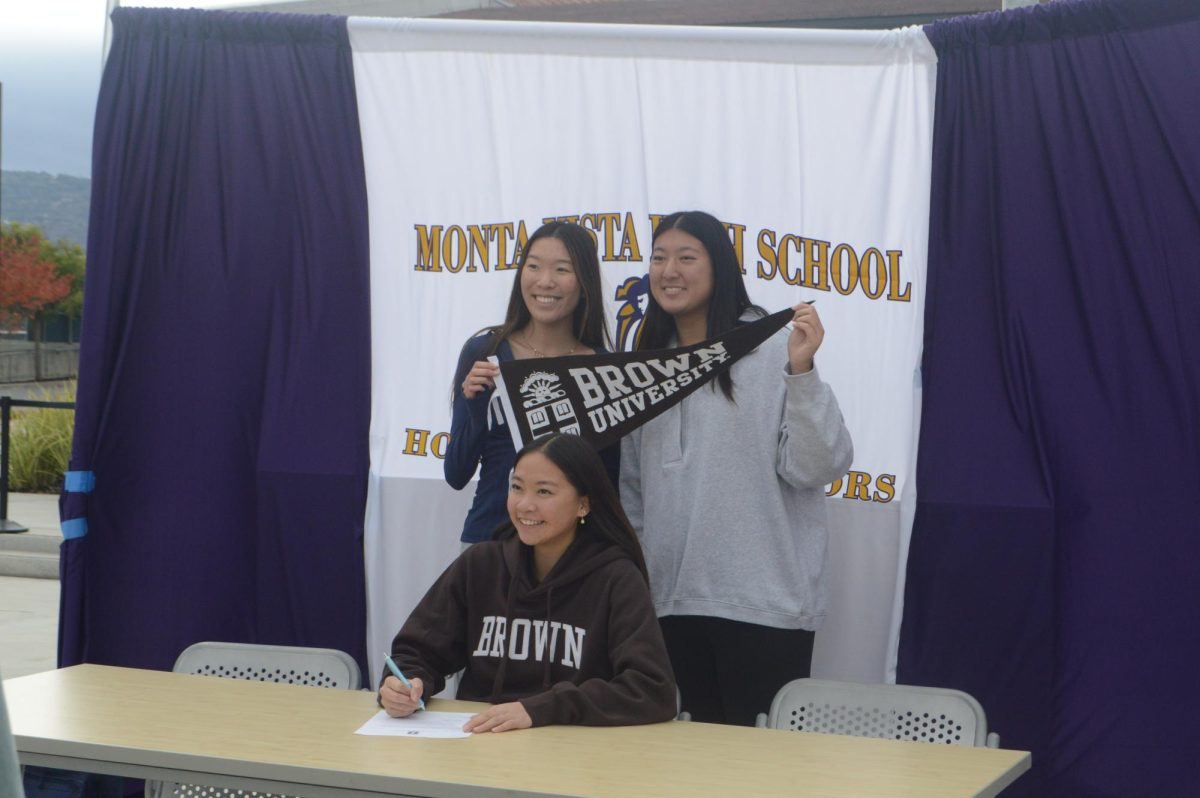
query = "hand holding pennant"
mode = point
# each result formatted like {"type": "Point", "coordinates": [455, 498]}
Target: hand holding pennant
{"type": "Point", "coordinates": [602, 397]}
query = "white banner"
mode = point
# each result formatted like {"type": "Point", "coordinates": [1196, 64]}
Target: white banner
{"type": "Point", "coordinates": [813, 147]}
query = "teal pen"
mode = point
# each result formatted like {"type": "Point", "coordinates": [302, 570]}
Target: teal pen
{"type": "Point", "coordinates": [387, 658]}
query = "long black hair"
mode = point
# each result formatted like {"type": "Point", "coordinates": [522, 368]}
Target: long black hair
{"type": "Point", "coordinates": [588, 321]}
{"type": "Point", "coordinates": [729, 300]}
{"type": "Point", "coordinates": [584, 469]}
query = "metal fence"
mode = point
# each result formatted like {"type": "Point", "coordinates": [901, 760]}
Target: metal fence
{"type": "Point", "coordinates": [21, 362]}
{"type": "Point", "coordinates": [7, 403]}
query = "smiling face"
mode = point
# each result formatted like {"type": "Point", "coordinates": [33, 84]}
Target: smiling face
{"type": "Point", "coordinates": [681, 275]}
{"type": "Point", "coordinates": [543, 505]}
{"type": "Point", "coordinates": [548, 282]}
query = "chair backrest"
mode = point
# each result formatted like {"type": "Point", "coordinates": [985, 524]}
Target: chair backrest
{"type": "Point", "coordinates": [318, 667]}
{"type": "Point", "coordinates": [888, 711]}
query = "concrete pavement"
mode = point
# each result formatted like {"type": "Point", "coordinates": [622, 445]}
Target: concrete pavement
{"type": "Point", "coordinates": [28, 625]}
{"type": "Point", "coordinates": [33, 553]}
{"type": "Point", "coordinates": [29, 606]}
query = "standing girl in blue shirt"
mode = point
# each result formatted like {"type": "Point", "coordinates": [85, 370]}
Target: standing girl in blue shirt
{"type": "Point", "coordinates": [556, 308]}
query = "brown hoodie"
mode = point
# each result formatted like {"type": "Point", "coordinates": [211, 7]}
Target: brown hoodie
{"type": "Point", "coordinates": [581, 647]}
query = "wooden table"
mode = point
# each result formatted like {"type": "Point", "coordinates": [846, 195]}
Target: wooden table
{"type": "Point", "coordinates": [300, 740]}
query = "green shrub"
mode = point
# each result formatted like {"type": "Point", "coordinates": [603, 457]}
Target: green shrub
{"type": "Point", "coordinates": [40, 443]}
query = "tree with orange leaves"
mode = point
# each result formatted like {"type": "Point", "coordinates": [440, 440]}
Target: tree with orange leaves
{"type": "Point", "coordinates": [30, 281]}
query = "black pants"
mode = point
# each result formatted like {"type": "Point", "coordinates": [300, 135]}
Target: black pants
{"type": "Point", "coordinates": [728, 671]}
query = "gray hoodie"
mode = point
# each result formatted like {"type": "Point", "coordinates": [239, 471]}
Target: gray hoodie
{"type": "Point", "coordinates": [728, 499]}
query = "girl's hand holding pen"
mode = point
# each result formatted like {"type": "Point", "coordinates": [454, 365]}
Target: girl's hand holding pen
{"type": "Point", "coordinates": [400, 701]}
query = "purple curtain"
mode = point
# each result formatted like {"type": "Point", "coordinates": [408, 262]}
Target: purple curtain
{"type": "Point", "coordinates": [1053, 570]}
{"type": "Point", "coordinates": [224, 388]}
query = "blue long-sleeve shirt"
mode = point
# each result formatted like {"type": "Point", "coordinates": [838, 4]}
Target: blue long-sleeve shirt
{"type": "Point", "coordinates": [473, 446]}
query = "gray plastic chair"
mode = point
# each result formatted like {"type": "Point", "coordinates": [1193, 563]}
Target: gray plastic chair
{"type": "Point", "coordinates": [315, 667]}
{"type": "Point", "coordinates": [886, 711]}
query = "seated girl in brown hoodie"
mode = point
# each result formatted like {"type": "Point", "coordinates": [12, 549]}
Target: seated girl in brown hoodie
{"type": "Point", "coordinates": [552, 621]}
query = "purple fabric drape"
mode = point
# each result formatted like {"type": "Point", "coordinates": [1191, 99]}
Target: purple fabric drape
{"type": "Point", "coordinates": [1053, 570]}
{"type": "Point", "coordinates": [224, 388]}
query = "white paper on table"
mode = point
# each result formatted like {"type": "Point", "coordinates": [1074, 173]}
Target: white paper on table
{"type": "Point", "coordinates": [419, 724]}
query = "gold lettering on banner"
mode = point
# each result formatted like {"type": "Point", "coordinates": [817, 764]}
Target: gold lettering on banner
{"type": "Point", "coordinates": [861, 486]}
{"type": "Point", "coordinates": [521, 239]}
{"type": "Point", "coordinates": [438, 445]}
{"type": "Point", "coordinates": [737, 234]}
{"type": "Point", "coordinates": [454, 249]}
{"type": "Point", "coordinates": [423, 442]}
{"type": "Point", "coordinates": [873, 272]}
{"type": "Point", "coordinates": [614, 233]}
{"type": "Point", "coordinates": [768, 267]}
{"type": "Point", "coordinates": [481, 246]}
{"type": "Point", "coordinates": [429, 248]}
{"type": "Point", "coordinates": [816, 264]}
{"type": "Point", "coordinates": [810, 263]}
{"type": "Point", "coordinates": [483, 256]}
{"type": "Point", "coordinates": [469, 248]}
{"type": "Point", "coordinates": [630, 251]}
{"type": "Point", "coordinates": [857, 486]}
{"type": "Point", "coordinates": [843, 254]}
{"type": "Point", "coordinates": [894, 292]}
{"type": "Point", "coordinates": [504, 233]}
{"type": "Point", "coordinates": [606, 225]}
{"type": "Point", "coordinates": [793, 278]}
{"type": "Point", "coordinates": [879, 271]}
{"type": "Point", "coordinates": [885, 488]}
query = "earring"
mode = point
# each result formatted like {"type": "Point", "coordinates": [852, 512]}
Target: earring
{"type": "Point", "coordinates": [582, 520]}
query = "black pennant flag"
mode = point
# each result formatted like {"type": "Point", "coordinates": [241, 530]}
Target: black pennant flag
{"type": "Point", "coordinates": [602, 397]}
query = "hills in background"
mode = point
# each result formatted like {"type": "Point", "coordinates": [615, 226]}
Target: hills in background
{"type": "Point", "coordinates": [56, 203]}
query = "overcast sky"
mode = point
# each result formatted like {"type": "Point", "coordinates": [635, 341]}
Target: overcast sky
{"type": "Point", "coordinates": [50, 60]}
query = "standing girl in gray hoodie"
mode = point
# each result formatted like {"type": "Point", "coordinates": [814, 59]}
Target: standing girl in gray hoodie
{"type": "Point", "coordinates": [726, 489]}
